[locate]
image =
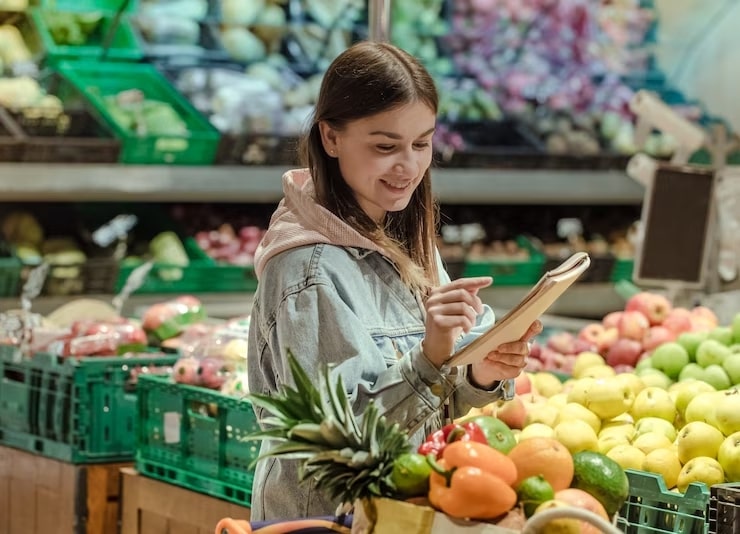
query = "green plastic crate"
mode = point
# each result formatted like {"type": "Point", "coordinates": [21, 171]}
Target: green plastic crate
{"type": "Point", "coordinates": [10, 271]}
{"type": "Point", "coordinates": [202, 275]}
{"type": "Point", "coordinates": [124, 45]}
{"type": "Point", "coordinates": [98, 80]}
{"type": "Point", "coordinates": [622, 270]}
{"type": "Point", "coordinates": [510, 272]}
{"type": "Point", "coordinates": [651, 508]}
{"type": "Point", "coordinates": [106, 6]}
{"type": "Point", "coordinates": [196, 438]}
{"type": "Point", "coordinates": [78, 410]}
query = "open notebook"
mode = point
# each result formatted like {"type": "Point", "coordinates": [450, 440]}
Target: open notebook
{"type": "Point", "coordinates": [513, 325]}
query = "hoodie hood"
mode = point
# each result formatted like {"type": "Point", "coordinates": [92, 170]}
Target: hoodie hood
{"type": "Point", "coordinates": [299, 221]}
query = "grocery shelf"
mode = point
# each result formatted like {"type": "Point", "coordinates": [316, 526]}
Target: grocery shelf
{"type": "Point", "coordinates": [164, 183]}
{"type": "Point", "coordinates": [579, 303]}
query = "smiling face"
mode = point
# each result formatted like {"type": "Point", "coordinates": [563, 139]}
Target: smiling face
{"type": "Point", "coordinates": [383, 157]}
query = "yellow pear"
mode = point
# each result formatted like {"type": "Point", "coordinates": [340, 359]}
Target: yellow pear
{"type": "Point", "coordinates": [700, 469]}
{"type": "Point", "coordinates": [599, 371]}
{"type": "Point", "coordinates": [541, 413]}
{"type": "Point", "coordinates": [665, 463]}
{"type": "Point", "coordinates": [627, 456]}
{"type": "Point", "coordinates": [577, 411]}
{"type": "Point", "coordinates": [547, 384]}
{"type": "Point", "coordinates": [608, 398]}
{"type": "Point", "coordinates": [577, 436]}
{"type": "Point", "coordinates": [558, 400]}
{"type": "Point", "coordinates": [648, 425]}
{"type": "Point", "coordinates": [651, 441]}
{"type": "Point", "coordinates": [536, 430]}
{"type": "Point", "coordinates": [698, 439]}
{"type": "Point", "coordinates": [586, 360]}
{"type": "Point", "coordinates": [579, 389]}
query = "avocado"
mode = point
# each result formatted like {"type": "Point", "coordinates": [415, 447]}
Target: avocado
{"type": "Point", "coordinates": [602, 477]}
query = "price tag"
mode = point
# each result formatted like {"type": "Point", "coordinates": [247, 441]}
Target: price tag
{"type": "Point", "coordinates": [134, 281]}
{"type": "Point", "coordinates": [569, 228]}
{"type": "Point", "coordinates": [116, 229]}
{"type": "Point", "coordinates": [172, 427]}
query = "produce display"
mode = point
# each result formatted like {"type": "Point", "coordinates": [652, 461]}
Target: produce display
{"type": "Point", "coordinates": [461, 470]}
{"type": "Point", "coordinates": [532, 79]}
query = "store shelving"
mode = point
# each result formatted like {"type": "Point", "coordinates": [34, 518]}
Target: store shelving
{"type": "Point", "coordinates": [161, 183]}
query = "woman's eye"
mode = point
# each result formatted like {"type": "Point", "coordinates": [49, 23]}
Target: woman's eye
{"type": "Point", "coordinates": [385, 148]}
{"type": "Point", "coordinates": [421, 146]}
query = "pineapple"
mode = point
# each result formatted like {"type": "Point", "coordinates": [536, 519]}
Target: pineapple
{"type": "Point", "coordinates": [351, 459]}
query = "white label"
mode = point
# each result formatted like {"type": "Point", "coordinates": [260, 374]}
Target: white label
{"type": "Point", "coordinates": [172, 427]}
{"type": "Point", "coordinates": [118, 228]}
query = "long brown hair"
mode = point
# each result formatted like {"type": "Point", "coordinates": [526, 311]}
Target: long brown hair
{"type": "Point", "coordinates": [366, 79]}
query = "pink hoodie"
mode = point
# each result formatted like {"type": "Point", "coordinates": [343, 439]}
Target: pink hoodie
{"type": "Point", "coordinates": [299, 221]}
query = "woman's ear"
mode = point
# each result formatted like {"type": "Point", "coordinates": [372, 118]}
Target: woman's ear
{"type": "Point", "coordinates": [328, 138]}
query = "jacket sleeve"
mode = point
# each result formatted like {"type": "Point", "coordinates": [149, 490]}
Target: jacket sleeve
{"type": "Point", "coordinates": [407, 391]}
{"type": "Point", "coordinates": [466, 395]}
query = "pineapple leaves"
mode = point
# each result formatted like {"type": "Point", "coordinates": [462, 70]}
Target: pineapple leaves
{"type": "Point", "coordinates": [349, 459]}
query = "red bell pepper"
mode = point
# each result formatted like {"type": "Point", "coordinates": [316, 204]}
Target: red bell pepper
{"type": "Point", "coordinates": [437, 441]}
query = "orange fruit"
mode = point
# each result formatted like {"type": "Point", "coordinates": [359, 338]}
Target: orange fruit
{"type": "Point", "coordinates": [543, 456]}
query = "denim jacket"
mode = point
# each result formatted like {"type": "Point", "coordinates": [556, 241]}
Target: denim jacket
{"type": "Point", "coordinates": [347, 307]}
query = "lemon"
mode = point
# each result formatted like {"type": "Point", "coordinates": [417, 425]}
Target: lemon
{"type": "Point", "coordinates": [577, 436]}
{"type": "Point", "coordinates": [652, 441]}
{"type": "Point", "coordinates": [665, 463]}
{"type": "Point", "coordinates": [627, 456]}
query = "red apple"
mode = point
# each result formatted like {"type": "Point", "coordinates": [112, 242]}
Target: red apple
{"type": "Point", "coordinates": [621, 368]}
{"type": "Point", "coordinates": [552, 359]}
{"type": "Point", "coordinates": [212, 372]}
{"type": "Point", "coordinates": [608, 337]}
{"type": "Point", "coordinates": [185, 371]}
{"type": "Point", "coordinates": [591, 332]}
{"type": "Point", "coordinates": [534, 366]}
{"type": "Point", "coordinates": [536, 351]}
{"type": "Point", "coordinates": [678, 321]}
{"type": "Point", "coordinates": [523, 384]}
{"type": "Point", "coordinates": [652, 305]}
{"type": "Point", "coordinates": [581, 345]}
{"type": "Point", "coordinates": [569, 361]}
{"type": "Point", "coordinates": [611, 320]}
{"type": "Point", "coordinates": [633, 325]}
{"type": "Point", "coordinates": [562, 342]}
{"type": "Point", "coordinates": [624, 352]}
{"type": "Point", "coordinates": [512, 412]}
{"type": "Point", "coordinates": [657, 335]}
{"type": "Point", "coordinates": [705, 314]}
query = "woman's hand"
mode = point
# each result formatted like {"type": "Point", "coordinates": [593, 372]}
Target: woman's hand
{"type": "Point", "coordinates": [451, 309]}
{"type": "Point", "coordinates": [507, 361]}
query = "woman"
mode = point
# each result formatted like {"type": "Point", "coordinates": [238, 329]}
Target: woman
{"type": "Point", "coordinates": [349, 274]}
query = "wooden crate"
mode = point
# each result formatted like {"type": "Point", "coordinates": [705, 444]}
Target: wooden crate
{"type": "Point", "coordinates": [150, 506]}
{"type": "Point", "coordinates": [40, 495]}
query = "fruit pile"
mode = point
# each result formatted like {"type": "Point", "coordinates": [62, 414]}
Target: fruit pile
{"type": "Point", "coordinates": [629, 338]}
{"type": "Point", "coordinates": [511, 480]}
{"type": "Point", "coordinates": [686, 431]}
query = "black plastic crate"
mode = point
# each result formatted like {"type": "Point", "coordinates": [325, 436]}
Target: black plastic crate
{"type": "Point", "coordinates": [257, 149]}
{"type": "Point", "coordinates": [11, 138]}
{"type": "Point", "coordinates": [724, 509]}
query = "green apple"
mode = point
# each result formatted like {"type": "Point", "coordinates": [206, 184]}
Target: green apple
{"type": "Point", "coordinates": [723, 334]}
{"type": "Point", "coordinates": [645, 363]}
{"type": "Point", "coordinates": [731, 365]}
{"type": "Point", "coordinates": [653, 402]}
{"type": "Point", "coordinates": [653, 425]}
{"type": "Point", "coordinates": [735, 327]}
{"type": "Point", "coordinates": [717, 377]}
{"type": "Point", "coordinates": [691, 341]}
{"type": "Point", "coordinates": [670, 358]}
{"type": "Point", "coordinates": [698, 439]}
{"type": "Point", "coordinates": [655, 378]}
{"type": "Point", "coordinates": [727, 412]}
{"type": "Point", "coordinates": [692, 371]}
{"type": "Point", "coordinates": [687, 390]}
{"type": "Point", "coordinates": [729, 456]}
{"type": "Point", "coordinates": [711, 352]}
